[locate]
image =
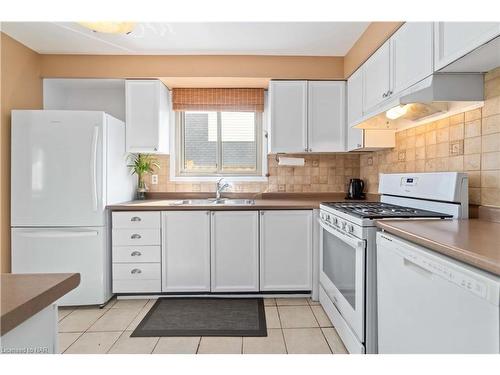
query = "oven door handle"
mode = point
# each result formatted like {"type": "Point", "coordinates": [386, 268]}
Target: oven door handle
{"type": "Point", "coordinates": [353, 242]}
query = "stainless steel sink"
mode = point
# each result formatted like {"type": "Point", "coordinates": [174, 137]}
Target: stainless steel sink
{"type": "Point", "coordinates": [214, 202]}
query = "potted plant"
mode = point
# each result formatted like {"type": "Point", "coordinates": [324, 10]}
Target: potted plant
{"type": "Point", "coordinates": [140, 164]}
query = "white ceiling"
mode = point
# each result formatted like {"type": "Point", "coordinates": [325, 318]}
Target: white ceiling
{"type": "Point", "coordinates": [230, 38]}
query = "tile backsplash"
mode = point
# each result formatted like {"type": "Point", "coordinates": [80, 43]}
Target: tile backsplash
{"type": "Point", "coordinates": [321, 173]}
{"type": "Point", "coordinates": [468, 142]}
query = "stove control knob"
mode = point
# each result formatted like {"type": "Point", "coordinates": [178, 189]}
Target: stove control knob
{"type": "Point", "coordinates": [350, 228]}
{"type": "Point", "coordinates": [344, 225]}
{"type": "Point", "coordinates": [335, 221]}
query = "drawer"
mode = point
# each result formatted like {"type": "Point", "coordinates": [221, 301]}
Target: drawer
{"type": "Point", "coordinates": [136, 254]}
{"type": "Point", "coordinates": [136, 286]}
{"type": "Point", "coordinates": [136, 271]}
{"type": "Point", "coordinates": [133, 237]}
{"type": "Point", "coordinates": [137, 219]}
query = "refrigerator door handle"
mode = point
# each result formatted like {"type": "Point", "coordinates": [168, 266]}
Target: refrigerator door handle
{"type": "Point", "coordinates": [93, 167]}
{"type": "Point", "coordinates": [57, 234]}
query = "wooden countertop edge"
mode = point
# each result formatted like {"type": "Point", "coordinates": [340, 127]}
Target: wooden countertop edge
{"type": "Point", "coordinates": [454, 252]}
{"type": "Point", "coordinates": [11, 319]}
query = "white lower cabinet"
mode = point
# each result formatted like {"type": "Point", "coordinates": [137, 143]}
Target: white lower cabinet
{"type": "Point", "coordinates": [235, 251]}
{"type": "Point", "coordinates": [186, 251]}
{"type": "Point", "coordinates": [285, 250]}
{"type": "Point", "coordinates": [136, 253]}
{"type": "Point", "coordinates": [213, 251]}
{"type": "Point", "coordinates": [136, 277]}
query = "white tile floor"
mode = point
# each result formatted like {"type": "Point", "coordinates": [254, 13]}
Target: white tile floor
{"type": "Point", "coordinates": [294, 326]}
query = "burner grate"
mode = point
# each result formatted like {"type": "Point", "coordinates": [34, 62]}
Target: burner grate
{"type": "Point", "coordinates": [372, 210]}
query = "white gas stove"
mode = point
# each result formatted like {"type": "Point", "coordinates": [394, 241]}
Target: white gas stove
{"type": "Point", "coordinates": [348, 252]}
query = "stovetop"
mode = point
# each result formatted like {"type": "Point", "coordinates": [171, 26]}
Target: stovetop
{"type": "Point", "coordinates": [378, 210]}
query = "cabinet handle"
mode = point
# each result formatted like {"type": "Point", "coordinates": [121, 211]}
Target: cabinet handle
{"type": "Point", "coordinates": [310, 150]}
{"type": "Point", "coordinates": [359, 144]}
{"type": "Point", "coordinates": [305, 149]}
{"type": "Point", "coordinates": [135, 236]}
{"type": "Point", "coordinates": [135, 218]}
{"type": "Point", "coordinates": [135, 253]}
{"type": "Point", "coordinates": [135, 270]}
{"type": "Point", "coordinates": [208, 212]}
{"type": "Point", "coordinates": [384, 95]}
{"type": "Point", "coordinates": [261, 213]}
{"type": "Point", "coordinates": [389, 93]}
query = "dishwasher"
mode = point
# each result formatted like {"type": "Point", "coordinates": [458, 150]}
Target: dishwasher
{"type": "Point", "coordinates": [430, 303]}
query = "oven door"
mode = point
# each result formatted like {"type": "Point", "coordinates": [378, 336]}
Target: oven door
{"type": "Point", "coordinates": [342, 275]}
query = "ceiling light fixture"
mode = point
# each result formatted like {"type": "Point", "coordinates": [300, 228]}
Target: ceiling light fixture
{"type": "Point", "coordinates": [396, 112]}
{"type": "Point", "coordinates": [109, 27]}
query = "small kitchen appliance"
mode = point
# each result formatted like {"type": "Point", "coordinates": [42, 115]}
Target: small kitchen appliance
{"type": "Point", "coordinates": [355, 189]}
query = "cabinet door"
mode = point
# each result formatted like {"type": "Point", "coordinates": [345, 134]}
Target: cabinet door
{"type": "Point", "coordinates": [453, 40]}
{"type": "Point", "coordinates": [288, 107]}
{"type": "Point", "coordinates": [355, 97]}
{"type": "Point", "coordinates": [235, 251]}
{"type": "Point", "coordinates": [147, 107]}
{"type": "Point", "coordinates": [412, 54]}
{"type": "Point", "coordinates": [285, 250]}
{"type": "Point", "coordinates": [354, 110]}
{"type": "Point", "coordinates": [186, 251]}
{"type": "Point", "coordinates": [376, 78]}
{"type": "Point", "coordinates": [326, 116]}
{"type": "Point", "coordinates": [354, 138]}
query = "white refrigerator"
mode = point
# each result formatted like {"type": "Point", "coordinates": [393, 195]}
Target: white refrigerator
{"type": "Point", "coordinates": [66, 167]}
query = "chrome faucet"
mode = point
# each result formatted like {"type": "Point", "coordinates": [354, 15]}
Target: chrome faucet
{"type": "Point", "coordinates": [220, 186]}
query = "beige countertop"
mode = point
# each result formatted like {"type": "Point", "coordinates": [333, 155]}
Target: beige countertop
{"type": "Point", "coordinates": [265, 201]}
{"type": "Point", "coordinates": [24, 295]}
{"type": "Point", "coordinates": [474, 241]}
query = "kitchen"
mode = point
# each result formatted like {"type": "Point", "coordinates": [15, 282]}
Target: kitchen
{"type": "Point", "coordinates": [335, 198]}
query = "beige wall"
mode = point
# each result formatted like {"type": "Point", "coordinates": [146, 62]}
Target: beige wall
{"type": "Point", "coordinates": [321, 173]}
{"type": "Point", "coordinates": [468, 142]}
{"type": "Point", "coordinates": [278, 67]}
{"type": "Point", "coordinates": [374, 36]}
{"type": "Point", "coordinates": [21, 88]}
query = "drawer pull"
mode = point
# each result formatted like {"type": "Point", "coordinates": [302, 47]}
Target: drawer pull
{"type": "Point", "coordinates": [135, 218]}
{"type": "Point", "coordinates": [135, 253]}
{"type": "Point", "coordinates": [135, 270]}
{"type": "Point", "coordinates": [135, 236]}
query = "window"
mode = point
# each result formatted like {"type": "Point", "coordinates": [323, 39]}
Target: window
{"type": "Point", "coordinates": [219, 143]}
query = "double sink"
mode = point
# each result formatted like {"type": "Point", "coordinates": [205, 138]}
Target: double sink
{"type": "Point", "coordinates": [214, 202]}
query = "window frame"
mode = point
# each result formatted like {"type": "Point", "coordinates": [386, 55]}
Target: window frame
{"type": "Point", "coordinates": [180, 172]}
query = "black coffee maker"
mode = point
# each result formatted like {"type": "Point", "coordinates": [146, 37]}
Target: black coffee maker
{"type": "Point", "coordinates": [355, 189]}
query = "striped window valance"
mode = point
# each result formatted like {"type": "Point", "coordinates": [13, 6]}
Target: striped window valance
{"type": "Point", "coordinates": [218, 99]}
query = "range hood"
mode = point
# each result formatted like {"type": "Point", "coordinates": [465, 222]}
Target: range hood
{"type": "Point", "coordinates": [437, 96]}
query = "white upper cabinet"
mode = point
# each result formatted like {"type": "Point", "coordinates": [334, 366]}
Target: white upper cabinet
{"type": "Point", "coordinates": [354, 138]}
{"type": "Point", "coordinates": [377, 78]}
{"type": "Point", "coordinates": [326, 116]}
{"type": "Point", "coordinates": [411, 53]}
{"type": "Point", "coordinates": [405, 59]}
{"type": "Point", "coordinates": [355, 97]}
{"type": "Point", "coordinates": [186, 251]}
{"type": "Point", "coordinates": [288, 105]}
{"type": "Point", "coordinates": [235, 251]}
{"type": "Point", "coordinates": [307, 116]}
{"type": "Point", "coordinates": [285, 250]}
{"type": "Point", "coordinates": [452, 40]}
{"type": "Point", "coordinates": [147, 116]}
